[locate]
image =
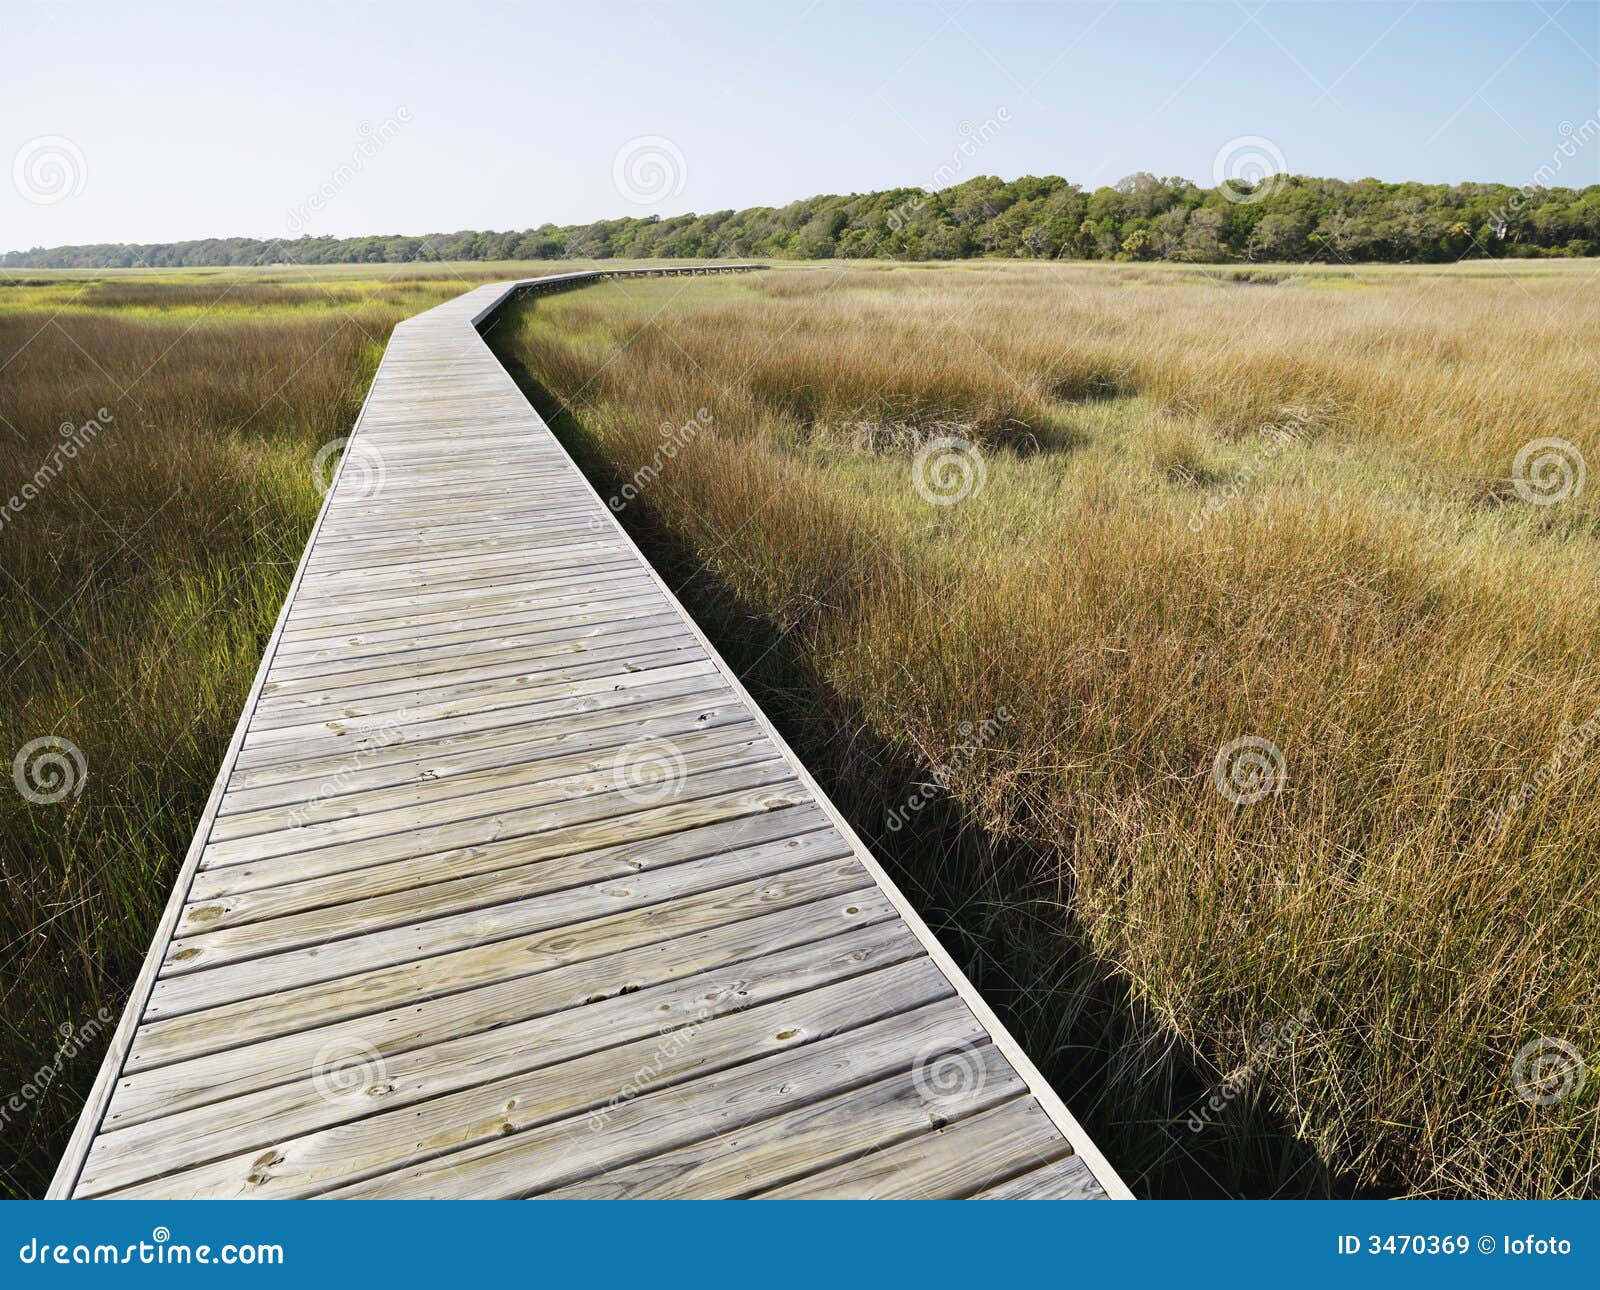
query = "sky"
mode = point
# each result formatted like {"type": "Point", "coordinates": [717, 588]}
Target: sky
{"type": "Point", "coordinates": [150, 123]}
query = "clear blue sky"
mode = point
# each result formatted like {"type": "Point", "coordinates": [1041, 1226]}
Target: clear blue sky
{"type": "Point", "coordinates": [174, 120]}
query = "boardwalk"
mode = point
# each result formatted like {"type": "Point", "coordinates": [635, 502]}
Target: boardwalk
{"type": "Point", "coordinates": [507, 888]}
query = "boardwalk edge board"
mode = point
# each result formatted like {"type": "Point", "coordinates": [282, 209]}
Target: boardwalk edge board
{"type": "Point", "coordinates": [1074, 1167]}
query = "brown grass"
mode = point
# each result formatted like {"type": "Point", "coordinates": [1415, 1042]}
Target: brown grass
{"type": "Point", "coordinates": [1143, 578]}
{"type": "Point", "coordinates": [139, 585]}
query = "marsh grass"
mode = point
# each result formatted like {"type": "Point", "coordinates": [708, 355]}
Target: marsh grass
{"type": "Point", "coordinates": [138, 588]}
{"type": "Point", "coordinates": [1212, 508]}
{"type": "Point", "coordinates": [1143, 577]}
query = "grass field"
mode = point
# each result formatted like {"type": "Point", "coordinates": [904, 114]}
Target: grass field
{"type": "Point", "coordinates": [1199, 649]}
{"type": "Point", "coordinates": [1017, 554]}
{"type": "Point", "coordinates": [157, 440]}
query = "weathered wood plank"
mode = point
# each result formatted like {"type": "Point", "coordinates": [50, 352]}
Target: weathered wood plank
{"type": "Point", "coordinates": [833, 1131]}
{"type": "Point", "coordinates": [329, 997]}
{"type": "Point", "coordinates": [1069, 1179]}
{"type": "Point", "coordinates": [655, 837]}
{"type": "Point", "coordinates": [466, 640]}
{"type": "Point", "coordinates": [539, 1160]}
{"type": "Point", "coordinates": [589, 771]}
{"type": "Point", "coordinates": [488, 901]}
{"type": "Point", "coordinates": [473, 710]}
{"type": "Point", "coordinates": [235, 979]}
{"type": "Point", "coordinates": [276, 717]}
{"type": "Point", "coordinates": [483, 1087]}
{"type": "Point", "coordinates": [700, 800]}
{"type": "Point", "coordinates": [949, 1163]}
{"type": "Point", "coordinates": [530, 744]}
{"type": "Point", "coordinates": [395, 1012]}
{"type": "Point", "coordinates": [480, 651]}
{"type": "Point", "coordinates": [269, 763]}
{"type": "Point", "coordinates": [546, 806]}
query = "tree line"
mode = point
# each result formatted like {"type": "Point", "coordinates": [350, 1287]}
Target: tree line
{"type": "Point", "coordinates": [1143, 217]}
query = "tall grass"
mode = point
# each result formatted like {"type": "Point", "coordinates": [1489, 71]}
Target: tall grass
{"type": "Point", "coordinates": [139, 578]}
{"type": "Point", "coordinates": [1210, 508]}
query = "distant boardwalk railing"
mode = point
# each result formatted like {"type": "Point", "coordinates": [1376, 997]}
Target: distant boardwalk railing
{"type": "Point", "coordinates": [507, 887]}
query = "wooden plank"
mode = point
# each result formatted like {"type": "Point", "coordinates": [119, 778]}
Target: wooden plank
{"type": "Point", "coordinates": [479, 660]}
{"type": "Point", "coordinates": [341, 642]}
{"type": "Point", "coordinates": [532, 743]}
{"type": "Point", "coordinates": [278, 763]}
{"type": "Point", "coordinates": [369, 811]}
{"type": "Point", "coordinates": [475, 533]}
{"type": "Point", "coordinates": [446, 691]}
{"type": "Point", "coordinates": [377, 593]}
{"type": "Point", "coordinates": [492, 898]}
{"type": "Point", "coordinates": [466, 639]}
{"type": "Point", "coordinates": [410, 539]}
{"type": "Point", "coordinates": [474, 709]}
{"type": "Point", "coordinates": [1068, 1179]}
{"type": "Point", "coordinates": [331, 622]}
{"type": "Point", "coordinates": [480, 1088]}
{"type": "Point", "coordinates": [415, 684]}
{"type": "Point", "coordinates": [184, 988]}
{"type": "Point", "coordinates": [469, 821]}
{"type": "Point", "coordinates": [327, 998]}
{"type": "Point", "coordinates": [419, 571]}
{"type": "Point", "coordinates": [572, 634]}
{"type": "Point", "coordinates": [830, 1132]}
{"type": "Point", "coordinates": [542, 1159]}
{"type": "Point", "coordinates": [503, 839]}
{"type": "Point", "coordinates": [949, 1163]}
{"type": "Point", "coordinates": [653, 836]}
{"type": "Point", "coordinates": [398, 1012]}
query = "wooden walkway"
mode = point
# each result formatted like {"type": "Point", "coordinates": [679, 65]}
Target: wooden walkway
{"type": "Point", "coordinates": [507, 888]}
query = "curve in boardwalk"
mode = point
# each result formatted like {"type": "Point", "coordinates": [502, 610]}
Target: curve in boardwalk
{"type": "Point", "coordinates": [507, 888]}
